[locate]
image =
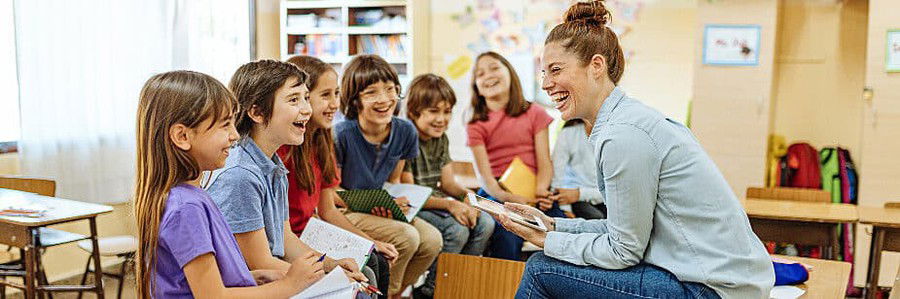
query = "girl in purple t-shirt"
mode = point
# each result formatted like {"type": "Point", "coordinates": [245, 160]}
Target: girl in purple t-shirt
{"type": "Point", "coordinates": [185, 125]}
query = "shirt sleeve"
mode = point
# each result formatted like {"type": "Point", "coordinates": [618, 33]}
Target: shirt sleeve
{"type": "Point", "coordinates": [411, 140]}
{"type": "Point", "coordinates": [186, 234]}
{"type": "Point", "coordinates": [630, 167]}
{"type": "Point", "coordinates": [475, 133]}
{"type": "Point", "coordinates": [539, 118]}
{"type": "Point", "coordinates": [239, 195]}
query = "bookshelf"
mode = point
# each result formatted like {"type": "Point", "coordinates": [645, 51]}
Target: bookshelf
{"type": "Point", "coordinates": [335, 31]}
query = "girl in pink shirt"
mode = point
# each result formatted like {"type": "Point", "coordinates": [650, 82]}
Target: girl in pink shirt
{"type": "Point", "coordinates": [505, 126]}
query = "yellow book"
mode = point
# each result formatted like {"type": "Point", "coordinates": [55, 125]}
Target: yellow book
{"type": "Point", "coordinates": [518, 179]}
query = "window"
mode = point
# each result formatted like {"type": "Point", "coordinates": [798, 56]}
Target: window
{"type": "Point", "coordinates": [9, 85]}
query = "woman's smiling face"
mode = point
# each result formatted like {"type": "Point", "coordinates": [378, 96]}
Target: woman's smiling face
{"type": "Point", "coordinates": [566, 81]}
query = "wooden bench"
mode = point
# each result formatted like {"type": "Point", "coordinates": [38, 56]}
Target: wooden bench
{"type": "Point", "coordinates": [466, 276]}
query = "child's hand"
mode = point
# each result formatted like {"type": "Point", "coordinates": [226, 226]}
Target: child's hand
{"type": "Point", "coordinates": [305, 270]}
{"type": "Point", "coordinates": [403, 203]}
{"type": "Point", "coordinates": [352, 269]}
{"type": "Point", "coordinates": [266, 276]}
{"type": "Point", "coordinates": [566, 196]}
{"type": "Point", "coordinates": [544, 203]}
{"type": "Point", "coordinates": [383, 212]}
{"type": "Point", "coordinates": [388, 250]}
{"type": "Point", "coordinates": [464, 213]}
{"type": "Point", "coordinates": [519, 199]}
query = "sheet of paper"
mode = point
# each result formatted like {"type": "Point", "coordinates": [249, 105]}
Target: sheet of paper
{"type": "Point", "coordinates": [336, 242]}
{"type": "Point", "coordinates": [335, 285]}
{"type": "Point", "coordinates": [786, 292]}
{"type": "Point", "coordinates": [417, 196]}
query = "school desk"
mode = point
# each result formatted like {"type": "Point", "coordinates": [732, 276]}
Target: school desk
{"type": "Point", "coordinates": [807, 223]}
{"type": "Point", "coordinates": [885, 236]}
{"type": "Point", "coordinates": [30, 234]}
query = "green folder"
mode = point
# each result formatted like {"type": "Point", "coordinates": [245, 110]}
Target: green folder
{"type": "Point", "coordinates": [363, 201]}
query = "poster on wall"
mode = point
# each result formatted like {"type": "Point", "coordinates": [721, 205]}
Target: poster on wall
{"type": "Point", "coordinates": [893, 51]}
{"type": "Point", "coordinates": [731, 45]}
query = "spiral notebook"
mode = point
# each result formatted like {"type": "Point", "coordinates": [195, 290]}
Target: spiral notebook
{"type": "Point", "coordinates": [363, 201]}
{"type": "Point", "coordinates": [336, 242]}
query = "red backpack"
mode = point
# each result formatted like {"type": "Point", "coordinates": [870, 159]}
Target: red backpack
{"type": "Point", "coordinates": [800, 167]}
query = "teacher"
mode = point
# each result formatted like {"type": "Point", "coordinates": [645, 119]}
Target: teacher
{"type": "Point", "coordinates": [674, 229]}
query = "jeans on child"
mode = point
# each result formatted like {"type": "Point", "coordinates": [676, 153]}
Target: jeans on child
{"type": "Point", "coordinates": [547, 277]}
{"type": "Point", "coordinates": [457, 238]}
{"type": "Point", "coordinates": [505, 244]}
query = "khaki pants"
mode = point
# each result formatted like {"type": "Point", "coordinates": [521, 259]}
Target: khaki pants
{"type": "Point", "coordinates": [418, 243]}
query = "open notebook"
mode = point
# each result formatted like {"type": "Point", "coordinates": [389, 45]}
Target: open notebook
{"type": "Point", "coordinates": [335, 285]}
{"type": "Point", "coordinates": [336, 242]}
{"type": "Point", "coordinates": [364, 200]}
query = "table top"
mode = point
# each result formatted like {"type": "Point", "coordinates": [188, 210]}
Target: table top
{"type": "Point", "coordinates": [885, 217]}
{"type": "Point", "coordinates": [823, 277]}
{"type": "Point", "coordinates": [58, 209]}
{"type": "Point", "coordinates": [800, 211]}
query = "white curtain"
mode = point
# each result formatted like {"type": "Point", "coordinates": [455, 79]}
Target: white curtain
{"type": "Point", "coordinates": [81, 65]}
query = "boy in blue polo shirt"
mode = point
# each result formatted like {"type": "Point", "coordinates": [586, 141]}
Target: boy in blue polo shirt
{"type": "Point", "coordinates": [371, 147]}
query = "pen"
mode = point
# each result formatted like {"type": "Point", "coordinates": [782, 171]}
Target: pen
{"type": "Point", "coordinates": [322, 258]}
{"type": "Point", "coordinates": [370, 288]}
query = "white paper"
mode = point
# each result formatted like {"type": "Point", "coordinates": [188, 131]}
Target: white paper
{"type": "Point", "coordinates": [786, 292]}
{"type": "Point", "coordinates": [335, 285]}
{"type": "Point", "coordinates": [417, 196]}
{"type": "Point", "coordinates": [336, 242]}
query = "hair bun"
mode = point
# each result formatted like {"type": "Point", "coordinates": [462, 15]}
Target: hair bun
{"type": "Point", "coordinates": [592, 13]}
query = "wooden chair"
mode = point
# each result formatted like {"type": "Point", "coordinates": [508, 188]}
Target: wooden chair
{"type": "Point", "coordinates": [466, 276]}
{"type": "Point", "coordinates": [464, 173]}
{"type": "Point", "coordinates": [785, 193]}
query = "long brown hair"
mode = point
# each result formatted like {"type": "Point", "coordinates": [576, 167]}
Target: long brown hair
{"type": "Point", "coordinates": [517, 103]}
{"type": "Point", "coordinates": [319, 141]}
{"type": "Point", "coordinates": [585, 34]}
{"type": "Point", "coordinates": [360, 72]}
{"type": "Point", "coordinates": [178, 97]}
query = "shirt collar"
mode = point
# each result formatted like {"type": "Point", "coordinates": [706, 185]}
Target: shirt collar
{"type": "Point", "coordinates": [266, 164]}
{"type": "Point", "coordinates": [610, 104]}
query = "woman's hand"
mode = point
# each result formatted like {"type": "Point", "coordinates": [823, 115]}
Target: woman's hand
{"type": "Point", "coordinates": [388, 250]}
{"type": "Point", "coordinates": [529, 210]}
{"type": "Point", "coordinates": [534, 236]}
{"type": "Point", "coordinates": [264, 276]}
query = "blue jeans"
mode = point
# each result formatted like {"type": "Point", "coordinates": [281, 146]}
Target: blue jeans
{"type": "Point", "coordinates": [547, 277]}
{"type": "Point", "coordinates": [457, 238]}
{"type": "Point", "coordinates": [505, 244]}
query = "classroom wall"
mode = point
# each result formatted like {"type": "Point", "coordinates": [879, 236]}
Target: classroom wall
{"type": "Point", "coordinates": [731, 108]}
{"type": "Point", "coordinates": [820, 73]}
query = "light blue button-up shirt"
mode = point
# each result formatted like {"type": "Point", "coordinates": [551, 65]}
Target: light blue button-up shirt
{"type": "Point", "coordinates": [668, 205]}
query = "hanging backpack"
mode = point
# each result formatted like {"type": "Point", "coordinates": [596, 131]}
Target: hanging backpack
{"type": "Point", "coordinates": [800, 167]}
{"type": "Point", "coordinates": [831, 173]}
{"type": "Point", "coordinates": [849, 184]}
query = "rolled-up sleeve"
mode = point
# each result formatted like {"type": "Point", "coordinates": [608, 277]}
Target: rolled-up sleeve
{"type": "Point", "coordinates": [630, 168]}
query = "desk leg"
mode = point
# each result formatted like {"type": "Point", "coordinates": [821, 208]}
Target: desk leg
{"type": "Point", "coordinates": [98, 269]}
{"type": "Point", "coordinates": [874, 262]}
{"type": "Point", "coordinates": [30, 269]}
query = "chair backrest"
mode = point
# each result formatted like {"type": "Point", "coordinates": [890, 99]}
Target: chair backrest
{"type": "Point", "coordinates": [466, 276]}
{"type": "Point", "coordinates": [464, 173]}
{"type": "Point", "coordinates": [39, 186]}
{"type": "Point", "coordinates": [892, 205]}
{"type": "Point", "coordinates": [895, 291]}
{"type": "Point", "coordinates": [784, 193]}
